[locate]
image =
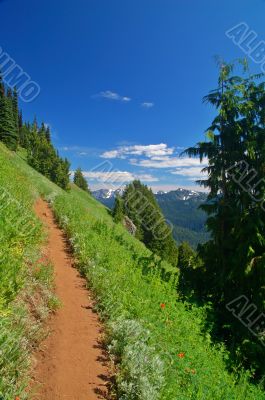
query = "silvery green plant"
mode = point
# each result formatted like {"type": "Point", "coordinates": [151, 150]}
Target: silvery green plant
{"type": "Point", "coordinates": [142, 370]}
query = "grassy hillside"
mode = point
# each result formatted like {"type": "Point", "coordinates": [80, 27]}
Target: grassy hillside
{"type": "Point", "coordinates": [156, 340]}
{"type": "Point", "coordinates": [25, 276]}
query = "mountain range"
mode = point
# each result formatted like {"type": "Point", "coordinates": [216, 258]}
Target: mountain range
{"type": "Point", "coordinates": [180, 207]}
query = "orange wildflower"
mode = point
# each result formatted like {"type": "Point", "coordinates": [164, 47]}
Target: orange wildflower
{"type": "Point", "coordinates": [181, 355]}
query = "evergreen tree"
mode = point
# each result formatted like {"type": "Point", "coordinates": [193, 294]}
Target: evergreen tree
{"type": "Point", "coordinates": [80, 180]}
{"type": "Point", "coordinates": [8, 117]}
{"type": "Point", "coordinates": [42, 155]}
{"type": "Point", "coordinates": [191, 271]}
{"type": "Point", "coordinates": [60, 173]}
{"type": "Point", "coordinates": [35, 124]}
{"type": "Point", "coordinates": [234, 257]}
{"type": "Point", "coordinates": [141, 207]}
{"type": "Point", "coordinates": [118, 211]}
{"type": "Point", "coordinates": [15, 111]}
{"type": "Point", "coordinates": [186, 256]}
{"type": "Point", "coordinates": [48, 134]}
{"type": "Point", "coordinates": [8, 133]}
{"type": "Point", "coordinates": [20, 120]}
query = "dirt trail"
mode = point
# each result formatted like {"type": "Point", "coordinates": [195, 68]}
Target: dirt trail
{"type": "Point", "coordinates": [70, 364]}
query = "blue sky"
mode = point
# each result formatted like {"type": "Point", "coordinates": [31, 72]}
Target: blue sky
{"type": "Point", "coordinates": [122, 81]}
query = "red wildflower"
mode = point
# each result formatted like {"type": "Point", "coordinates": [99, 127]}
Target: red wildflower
{"type": "Point", "coordinates": [162, 305]}
{"type": "Point", "coordinates": [181, 355]}
{"type": "Point", "coordinates": [17, 398]}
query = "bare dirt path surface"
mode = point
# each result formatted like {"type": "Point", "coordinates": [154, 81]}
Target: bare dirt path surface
{"type": "Point", "coordinates": [70, 364]}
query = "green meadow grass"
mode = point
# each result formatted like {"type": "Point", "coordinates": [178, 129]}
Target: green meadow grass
{"type": "Point", "coordinates": [25, 282]}
{"type": "Point", "coordinates": [157, 341]}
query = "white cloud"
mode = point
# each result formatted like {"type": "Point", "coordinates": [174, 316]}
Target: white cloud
{"type": "Point", "coordinates": [117, 176]}
{"type": "Point", "coordinates": [110, 154]}
{"type": "Point", "coordinates": [169, 162]}
{"type": "Point", "coordinates": [151, 150]}
{"type": "Point", "coordinates": [108, 94]}
{"type": "Point", "coordinates": [147, 104]}
{"type": "Point", "coordinates": [191, 173]}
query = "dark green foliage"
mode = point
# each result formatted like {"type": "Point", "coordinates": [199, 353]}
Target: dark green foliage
{"type": "Point", "coordinates": [186, 256]}
{"type": "Point", "coordinates": [42, 155]}
{"type": "Point", "coordinates": [7, 126]}
{"type": "Point", "coordinates": [48, 134]}
{"type": "Point", "coordinates": [8, 117]}
{"type": "Point", "coordinates": [24, 136]}
{"type": "Point", "coordinates": [15, 111]}
{"type": "Point", "coordinates": [235, 256]}
{"type": "Point", "coordinates": [190, 267]}
{"type": "Point", "coordinates": [60, 172]}
{"type": "Point", "coordinates": [80, 180]}
{"type": "Point", "coordinates": [118, 211]}
{"type": "Point", "coordinates": [20, 120]}
{"type": "Point", "coordinates": [37, 141]}
{"type": "Point", "coordinates": [140, 205]}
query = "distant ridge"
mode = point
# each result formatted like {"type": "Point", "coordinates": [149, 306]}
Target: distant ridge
{"type": "Point", "coordinates": [180, 193]}
{"type": "Point", "coordinates": [179, 206]}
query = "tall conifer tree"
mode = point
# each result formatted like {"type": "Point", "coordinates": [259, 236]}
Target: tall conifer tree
{"type": "Point", "coordinates": [80, 180]}
{"type": "Point", "coordinates": [142, 208]}
{"type": "Point", "coordinates": [234, 258]}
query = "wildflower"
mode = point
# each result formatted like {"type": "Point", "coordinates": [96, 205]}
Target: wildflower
{"type": "Point", "coordinates": [181, 355]}
{"type": "Point", "coordinates": [17, 398]}
{"type": "Point", "coordinates": [162, 305]}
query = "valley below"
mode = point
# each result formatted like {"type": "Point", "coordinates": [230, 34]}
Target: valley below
{"type": "Point", "coordinates": [180, 208]}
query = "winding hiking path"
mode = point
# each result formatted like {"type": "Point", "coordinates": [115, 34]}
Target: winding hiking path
{"type": "Point", "coordinates": [70, 364]}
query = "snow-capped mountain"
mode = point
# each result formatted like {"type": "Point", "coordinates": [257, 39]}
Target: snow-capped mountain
{"type": "Point", "coordinates": [180, 207]}
{"type": "Point", "coordinates": [179, 194]}
{"type": "Point", "coordinates": [106, 193]}
{"type": "Point", "coordinates": [160, 192]}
